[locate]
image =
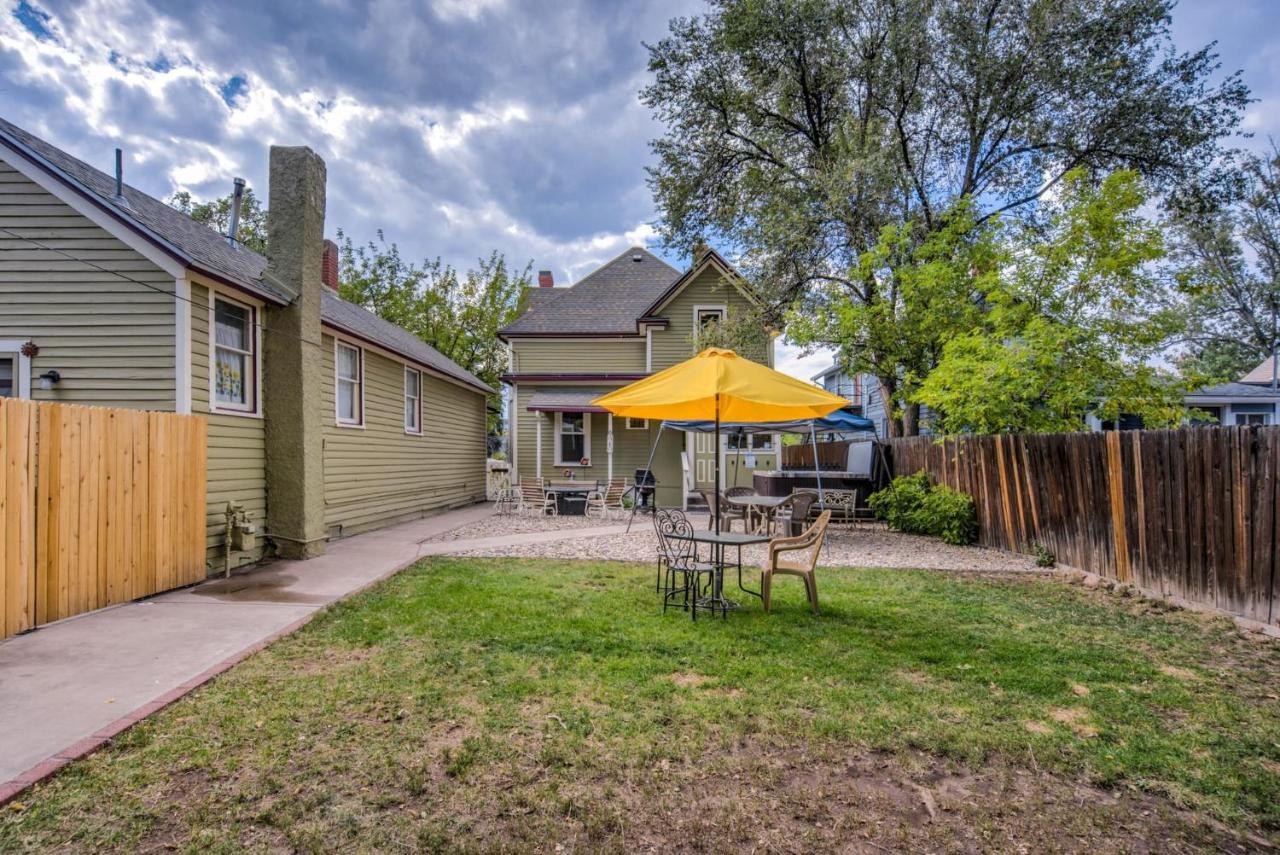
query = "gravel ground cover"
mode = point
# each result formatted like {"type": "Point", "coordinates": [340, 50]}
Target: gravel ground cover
{"type": "Point", "coordinates": [867, 545]}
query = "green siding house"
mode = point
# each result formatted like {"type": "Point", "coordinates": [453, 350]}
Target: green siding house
{"type": "Point", "coordinates": [324, 420]}
{"type": "Point", "coordinates": [634, 316]}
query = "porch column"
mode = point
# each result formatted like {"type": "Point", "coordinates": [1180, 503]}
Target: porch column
{"type": "Point", "coordinates": [608, 444]}
{"type": "Point", "coordinates": [537, 458]}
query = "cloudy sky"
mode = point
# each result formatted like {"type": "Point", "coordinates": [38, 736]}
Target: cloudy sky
{"type": "Point", "coordinates": [455, 126]}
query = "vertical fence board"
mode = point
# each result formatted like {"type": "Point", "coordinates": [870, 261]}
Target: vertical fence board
{"type": "Point", "coordinates": [1192, 513]}
{"type": "Point", "coordinates": [97, 506]}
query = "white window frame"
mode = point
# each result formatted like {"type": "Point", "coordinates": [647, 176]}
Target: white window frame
{"type": "Point", "coordinates": [586, 439]}
{"type": "Point", "coordinates": [637, 424]}
{"type": "Point", "coordinates": [21, 366]}
{"type": "Point", "coordinates": [751, 439]}
{"type": "Point", "coordinates": [254, 405]}
{"type": "Point", "coordinates": [699, 310]}
{"type": "Point", "coordinates": [415, 429]}
{"type": "Point", "coordinates": [337, 381]}
{"type": "Point", "coordinates": [1249, 419]}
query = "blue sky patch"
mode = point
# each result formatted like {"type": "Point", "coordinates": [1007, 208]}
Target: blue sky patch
{"type": "Point", "coordinates": [36, 21]}
{"type": "Point", "coordinates": [233, 89]}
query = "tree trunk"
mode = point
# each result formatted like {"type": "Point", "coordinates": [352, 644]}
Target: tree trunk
{"type": "Point", "coordinates": [888, 387]}
{"type": "Point", "coordinates": [911, 420]}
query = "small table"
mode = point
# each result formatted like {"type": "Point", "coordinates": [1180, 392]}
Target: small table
{"type": "Point", "coordinates": [718, 542]}
{"type": "Point", "coordinates": [767, 506]}
{"type": "Point", "coordinates": [571, 499]}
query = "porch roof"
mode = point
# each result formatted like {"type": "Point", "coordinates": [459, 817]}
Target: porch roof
{"type": "Point", "coordinates": [576, 399]}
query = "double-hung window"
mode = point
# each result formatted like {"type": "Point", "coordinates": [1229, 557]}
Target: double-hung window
{"type": "Point", "coordinates": [349, 377]}
{"type": "Point", "coordinates": [412, 400]}
{"type": "Point", "coordinates": [15, 370]}
{"type": "Point", "coordinates": [8, 373]}
{"type": "Point", "coordinates": [235, 357]}
{"type": "Point", "coordinates": [637, 424]}
{"type": "Point", "coordinates": [573, 442]}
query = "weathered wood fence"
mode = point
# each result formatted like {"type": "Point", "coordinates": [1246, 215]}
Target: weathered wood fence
{"type": "Point", "coordinates": [97, 506]}
{"type": "Point", "coordinates": [830, 455]}
{"type": "Point", "coordinates": [1187, 513]}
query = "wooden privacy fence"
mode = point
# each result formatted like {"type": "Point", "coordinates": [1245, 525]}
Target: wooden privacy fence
{"type": "Point", "coordinates": [98, 506]}
{"type": "Point", "coordinates": [831, 455]}
{"type": "Point", "coordinates": [1189, 513]}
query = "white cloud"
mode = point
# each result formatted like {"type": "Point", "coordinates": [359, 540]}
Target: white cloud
{"type": "Point", "coordinates": [789, 359]}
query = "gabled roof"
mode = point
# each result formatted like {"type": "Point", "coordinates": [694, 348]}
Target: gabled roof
{"type": "Point", "coordinates": [709, 258]}
{"type": "Point", "coordinates": [608, 301]}
{"type": "Point", "coordinates": [363, 324]}
{"type": "Point", "coordinates": [1261, 374]}
{"type": "Point", "coordinates": [190, 243]}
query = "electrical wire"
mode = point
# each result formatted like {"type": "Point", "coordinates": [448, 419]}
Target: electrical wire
{"type": "Point", "coordinates": [202, 306]}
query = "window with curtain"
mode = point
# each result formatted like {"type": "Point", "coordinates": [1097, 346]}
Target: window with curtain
{"type": "Point", "coordinates": [347, 361]}
{"type": "Point", "coordinates": [412, 400]}
{"type": "Point", "coordinates": [234, 356]}
{"type": "Point", "coordinates": [571, 439]}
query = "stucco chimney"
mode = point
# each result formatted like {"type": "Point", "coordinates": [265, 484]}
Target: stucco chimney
{"type": "Point", "coordinates": [292, 368]}
{"type": "Point", "coordinates": [545, 279]}
{"type": "Point", "coordinates": [329, 266]}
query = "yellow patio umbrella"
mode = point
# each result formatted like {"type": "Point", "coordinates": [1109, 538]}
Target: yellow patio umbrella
{"type": "Point", "coordinates": [720, 385]}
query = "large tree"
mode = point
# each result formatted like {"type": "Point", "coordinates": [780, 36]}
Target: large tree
{"type": "Point", "coordinates": [798, 130]}
{"type": "Point", "coordinates": [1231, 274]}
{"type": "Point", "coordinates": [1074, 321]}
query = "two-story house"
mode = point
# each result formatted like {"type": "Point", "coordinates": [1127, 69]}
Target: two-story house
{"type": "Point", "coordinates": [634, 316]}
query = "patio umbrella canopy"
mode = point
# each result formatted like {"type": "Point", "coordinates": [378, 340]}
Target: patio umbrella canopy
{"type": "Point", "coordinates": [719, 385]}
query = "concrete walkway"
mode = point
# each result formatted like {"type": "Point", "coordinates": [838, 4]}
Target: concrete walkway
{"type": "Point", "coordinates": [68, 687]}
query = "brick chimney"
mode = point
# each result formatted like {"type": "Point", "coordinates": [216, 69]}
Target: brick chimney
{"type": "Point", "coordinates": [292, 368]}
{"type": "Point", "coordinates": [545, 279]}
{"type": "Point", "coordinates": [329, 266]}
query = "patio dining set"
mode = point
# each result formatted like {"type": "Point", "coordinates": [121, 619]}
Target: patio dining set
{"type": "Point", "coordinates": [694, 579]}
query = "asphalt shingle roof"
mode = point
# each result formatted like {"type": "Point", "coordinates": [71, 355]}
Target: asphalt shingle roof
{"type": "Point", "coordinates": [1261, 374]}
{"type": "Point", "coordinates": [608, 301]}
{"type": "Point", "coordinates": [365, 324]}
{"type": "Point", "coordinates": [566, 399]}
{"type": "Point", "coordinates": [1235, 390]}
{"type": "Point", "coordinates": [204, 246]}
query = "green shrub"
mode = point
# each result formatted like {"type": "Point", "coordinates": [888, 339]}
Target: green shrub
{"type": "Point", "coordinates": [899, 504]}
{"type": "Point", "coordinates": [911, 505]}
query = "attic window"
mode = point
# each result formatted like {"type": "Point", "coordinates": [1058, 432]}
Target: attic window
{"type": "Point", "coordinates": [637, 257]}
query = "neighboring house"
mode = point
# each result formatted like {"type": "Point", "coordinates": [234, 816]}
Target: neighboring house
{"type": "Point", "coordinates": [634, 316]}
{"type": "Point", "coordinates": [864, 392]}
{"type": "Point", "coordinates": [1251, 400]}
{"type": "Point", "coordinates": [323, 419]}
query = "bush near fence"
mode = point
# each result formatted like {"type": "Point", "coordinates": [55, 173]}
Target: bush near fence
{"type": "Point", "coordinates": [1190, 513]}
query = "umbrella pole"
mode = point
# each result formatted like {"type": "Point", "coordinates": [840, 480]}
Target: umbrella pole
{"type": "Point", "coordinates": [716, 449]}
{"type": "Point", "coordinates": [635, 496]}
{"type": "Point", "coordinates": [817, 470]}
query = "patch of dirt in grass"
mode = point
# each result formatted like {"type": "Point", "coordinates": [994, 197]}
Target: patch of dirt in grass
{"type": "Point", "coordinates": [797, 801]}
{"type": "Point", "coordinates": [1076, 718]}
{"type": "Point", "coordinates": [689, 680]}
{"type": "Point", "coordinates": [1176, 672]}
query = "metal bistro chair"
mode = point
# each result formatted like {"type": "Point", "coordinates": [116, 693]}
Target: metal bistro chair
{"type": "Point", "coordinates": [808, 544]}
{"type": "Point", "coordinates": [678, 556]}
{"type": "Point", "coordinates": [609, 499]}
{"type": "Point", "coordinates": [533, 498]}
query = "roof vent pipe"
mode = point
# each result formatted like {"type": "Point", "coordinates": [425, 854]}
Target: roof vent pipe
{"type": "Point", "coordinates": [120, 174]}
{"type": "Point", "coordinates": [237, 198]}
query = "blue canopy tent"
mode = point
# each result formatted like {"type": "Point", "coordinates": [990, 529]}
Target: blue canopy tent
{"type": "Point", "coordinates": [841, 421]}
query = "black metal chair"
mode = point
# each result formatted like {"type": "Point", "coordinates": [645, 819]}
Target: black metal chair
{"type": "Point", "coordinates": [679, 557]}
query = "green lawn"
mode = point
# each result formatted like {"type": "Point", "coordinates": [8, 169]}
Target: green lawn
{"type": "Point", "coordinates": [490, 704]}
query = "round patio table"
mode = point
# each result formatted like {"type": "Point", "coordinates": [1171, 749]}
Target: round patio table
{"type": "Point", "coordinates": [571, 499]}
{"type": "Point", "coordinates": [765, 506]}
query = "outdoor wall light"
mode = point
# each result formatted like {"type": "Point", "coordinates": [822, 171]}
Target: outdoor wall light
{"type": "Point", "coordinates": [49, 378]}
